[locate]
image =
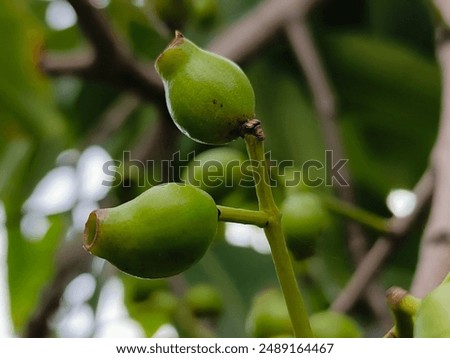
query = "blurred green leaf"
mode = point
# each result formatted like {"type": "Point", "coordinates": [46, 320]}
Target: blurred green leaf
{"type": "Point", "coordinates": [13, 160]}
{"type": "Point", "coordinates": [24, 93]}
{"type": "Point", "coordinates": [30, 266]}
{"type": "Point", "coordinates": [402, 20]}
{"type": "Point", "coordinates": [390, 99]}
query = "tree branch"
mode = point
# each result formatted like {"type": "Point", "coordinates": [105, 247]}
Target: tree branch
{"type": "Point", "coordinates": [434, 257]}
{"type": "Point", "coordinates": [105, 42]}
{"type": "Point", "coordinates": [384, 246]}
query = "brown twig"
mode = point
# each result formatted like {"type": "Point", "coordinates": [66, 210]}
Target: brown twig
{"type": "Point", "coordinates": [384, 246]}
{"type": "Point", "coordinates": [434, 257]}
{"type": "Point", "coordinates": [308, 57]}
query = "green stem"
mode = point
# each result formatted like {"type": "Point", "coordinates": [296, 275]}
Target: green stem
{"type": "Point", "coordinates": [243, 216]}
{"type": "Point", "coordinates": [353, 212]}
{"type": "Point", "coordinates": [403, 307]}
{"type": "Point", "coordinates": [274, 234]}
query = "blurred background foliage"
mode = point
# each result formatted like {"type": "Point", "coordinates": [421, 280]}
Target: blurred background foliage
{"type": "Point", "coordinates": [379, 55]}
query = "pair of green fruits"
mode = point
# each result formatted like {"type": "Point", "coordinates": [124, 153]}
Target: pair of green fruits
{"type": "Point", "coordinates": [202, 299]}
{"type": "Point", "coordinates": [269, 318]}
{"type": "Point", "coordinates": [169, 227]}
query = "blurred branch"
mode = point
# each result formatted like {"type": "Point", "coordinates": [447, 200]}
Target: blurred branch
{"type": "Point", "coordinates": [114, 117]}
{"type": "Point", "coordinates": [67, 65]}
{"type": "Point", "coordinates": [72, 261]}
{"type": "Point", "coordinates": [159, 141]}
{"type": "Point", "coordinates": [246, 36]}
{"type": "Point", "coordinates": [434, 256]}
{"type": "Point", "coordinates": [111, 61]}
{"type": "Point", "coordinates": [384, 246]}
{"type": "Point", "coordinates": [302, 43]}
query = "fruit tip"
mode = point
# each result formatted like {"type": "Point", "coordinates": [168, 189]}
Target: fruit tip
{"type": "Point", "coordinates": [178, 39]}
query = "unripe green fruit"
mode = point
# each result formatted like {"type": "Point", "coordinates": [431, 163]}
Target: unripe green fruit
{"type": "Point", "coordinates": [268, 316]}
{"type": "Point", "coordinates": [204, 301]}
{"type": "Point", "coordinates": [304, 219]}
{"type": "Point", "coordinates": [329, 324]}
{"type": "Point", "coordinates": [433, 315]}
{"type": "Point", "coordinates": [208, 96]}
{"type": "Point", "coordinates": [215, 171]}
{"type": "Point", "coordinates": [160, 233]}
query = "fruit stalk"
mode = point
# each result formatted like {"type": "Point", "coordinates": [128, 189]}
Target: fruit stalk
{"type": "Point", "coordinates": [243, 216]}
{"type": "Point", "coordinates": [403, 307]}
{"type": "Point", "coordinates": [274, 234]}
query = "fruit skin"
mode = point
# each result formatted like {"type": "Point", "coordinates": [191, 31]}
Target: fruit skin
{"type": "Point", "coordinates": [203, 174]}
{"type": "Point", "coordinates": [268, 316]}
{"type": "Point", "coordinates": [204, 301]}
{"type": "Point", "coordinates": [208, 96]}
{"type": "Point", "coordinates": [304, 219]}
{"type": "Point", "coordinates": [329, 324]}
{"type": "Point", "coordinates": [433, 315]}
{"type": "Point", "coordinates": [160, 233]}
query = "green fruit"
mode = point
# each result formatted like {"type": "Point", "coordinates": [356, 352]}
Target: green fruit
{"type": "Point", "coordinates": [268, 316]}
{"type": "Point", "coordinates": [215, 171]}
{"type": "Point", "coordinates": [433, 315]}
{"type": "Point", "coordinates": [304, 219]}
{"type": "Point", "coordinates": [329, 324]}
{"type": "Point", "coordinates": [208, 96]}
{"type": "Point", "coordinates": [204, 301]}
{"type": "Point", "coordinates": [205, 12]}
{"type": "Point", "coordinates": [160, 233]}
